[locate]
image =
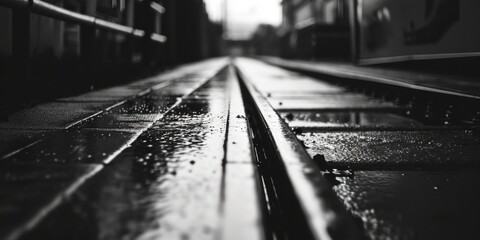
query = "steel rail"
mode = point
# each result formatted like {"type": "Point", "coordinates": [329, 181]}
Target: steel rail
{"type": "Point", "coordinates": [56, 12]}
{"type": "Point", "coordinates": [319, 211]}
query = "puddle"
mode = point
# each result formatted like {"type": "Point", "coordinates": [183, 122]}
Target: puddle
{"type": "Point", "coordinates": [166, 185]}
{"type": "Point", "coordinates": [25, 189]}
{"type": "Point", "coordinates": [414, 204]}
{"type": "Point", "coordinates": [332, 103]}
{"type": "Point", "coordinates": [75, 146]}
{"type": "Point", "coordinates": [393, 150]}
{"type": "Point", "coordinates": [347, 120]}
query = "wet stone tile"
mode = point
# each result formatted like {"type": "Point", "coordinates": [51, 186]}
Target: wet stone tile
{"type": "Point", "coordinates": [14, 139]}
{"type": "Point", "coordinates": [149, 104]}
{"type": "Point", "coordinates": [75, 146]}
{"type": "Point", "coordinates": [347, 120]}
{"type": "Point", "coordinates": [343, 102]}
{"type": "Point", "coordinates": [299, 84]}
{"type": "Point", "coordinates": [166, 185]}
{"type": "Point", "coordinates": [211, 93]}
{"type": "Point", "coordinates": [395, 150]}
{"type": "Point", "coordinates": [26, 189]}
{"type": "Point", "coordinates": [312, 93]}
{"type": "Point", "coordinates": [54, 115]}
{"type": "Point", "coordinates": [116, 121]}
{"type": "Point", "coordinates": [172, 91]}
{"type": "Point", "coordinates": [414, 204]}
{"type": "Point", "coordinates": [111, 94]}
{"type": "Point", "coordinates": [268, 79]}
{"type": "Point", "coordinates": [192, 113]}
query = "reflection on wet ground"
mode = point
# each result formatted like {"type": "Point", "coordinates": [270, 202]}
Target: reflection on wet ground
{"type": "Point", "coordinates": [395, 149]}
{"type": "Point", "coordinates": [149, 104]}
{"type": "Point", "coordinates": [124, 121]}
{"type": "Point", "coordinates": [12, 140]}
{"type": "Point", "coordinates": [76, 146]}
{"type": "Point", "coordinates": [342, 120]}
{"type": "Point", "coordinates": [176, 164]}
{"type": "Point", "coordinates": [332, 102]}
{"type": "Point", "coordinates": [414, 204]}
{"type": "Point", "coordinates": [156, 184]}
{"type": "Point", "coordinates": [26, 188]}
{"type": "Point", "coordinates": [37, 179]}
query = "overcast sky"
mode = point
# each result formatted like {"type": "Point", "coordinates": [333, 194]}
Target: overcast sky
{"type": "Point", "coordinates": [243, 16]}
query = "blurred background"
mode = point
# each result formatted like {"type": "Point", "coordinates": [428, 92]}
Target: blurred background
{"type": "Point", "coordinates": [64, 47]}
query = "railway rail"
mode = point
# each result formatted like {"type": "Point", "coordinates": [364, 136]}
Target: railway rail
{"type": "Point", "coordinates": [399, 167]}
{"type": "Point", "coordinates": [248, 150]}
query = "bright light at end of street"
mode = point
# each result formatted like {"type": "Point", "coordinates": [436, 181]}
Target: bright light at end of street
{"type": "Point", "coordinates": [243, 16]}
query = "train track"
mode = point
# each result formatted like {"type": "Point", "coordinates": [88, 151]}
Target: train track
{"type": "Point", "coordinates": [404, 168]}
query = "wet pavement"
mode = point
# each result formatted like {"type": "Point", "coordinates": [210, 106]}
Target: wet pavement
{"type": "Point", "coordinates": [403, 179]}
{"type": "Point", "coordinates": [60, 161]}
{"type": "Point", "coordinates": [30, 191]}
{"type": "Point", "coordinates": [348, 120]}
{"type": "Point", "coordinates": [173, 162]}
{"type": "Point", "coordinates": [414, 204]}
{"type": "Point", "coordinates": [395, 149]}
{"type": "Point", "coordinates": [414, 79]}
{"type": "Point", "coordinates": [331, 102]}
{"type": "Point", "coordinates": [170, 174]}
{"type": "Point", "coordinates": [215, 151]}
{"type": "Point", "coordinates": [175, 181]}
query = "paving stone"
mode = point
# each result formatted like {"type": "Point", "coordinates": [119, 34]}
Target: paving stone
{"type": "Point", "coordinates": [29, 191]}
{"type": "Point", "coordinates": [109, 94]}
{"type": "Point", "coordinates": [395, 150]}
{"type": "Point", "coordinates": [414, 78]}
{"type": "Point", "coordinates": [14, 139]}
{"type": "Point", "coordinates": [414, 204]}
{"type": "Point", "coordinates": [53, 115]}
{"type": "Point", "coordinates": [170, 184]}
{"type": "Point", "coordinates": [171, 174]}
{"type": "Point", "coordinates": [148, 104]}
{"type": "Point", "coordinates": [109, 120]}
{"type": "Point", "coordinates": [272, 79]}
{"type": "Point", "coordinates": [348, 120]}
{"type": "Point", "coordinates": [70, 155]}
{"type": "Point", "coordinates": [340, 102]}
{"type": "Point", "coordinates": [76, 146]}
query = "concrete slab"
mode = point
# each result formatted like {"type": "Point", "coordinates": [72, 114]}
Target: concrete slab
{"type": "Point", "coordinates": [53, 115]}
{"type": "Point", "coordinates": [116, 121]}
{"type": "Point", "coordinates": [88, 146]}
{"type": "Point", "coordinates": [348, 120]}
{"type": "Point", "coordinates": [15, 139]}
{"type": "Point", "coordinates": [414, 204]}
{"type": "Point", "coordinates": [29, 191]}
{"type": "Point", "coordinates": [167, 185]}
{"type": "Point", "coordinates": [75, 146]}
{"type": "Point", "coordinates": [297, 84]}
{"type": "Point", "coordinates": [455, 85]}
{"type": "Point", "coordinates": [396, 150]}
{"type": "Point", "coordinates": [340, 102]}
{"type": "Point", "coordinates": [270, 79]}
{"type": "Point", "coordinates": [312, 93]}
{"type": "Point", "coordinates": [109, 94]}
{"type": "Point", "coordinates": [149, 104]}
